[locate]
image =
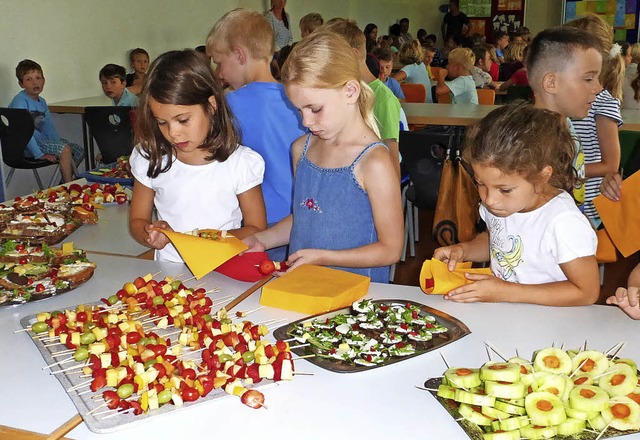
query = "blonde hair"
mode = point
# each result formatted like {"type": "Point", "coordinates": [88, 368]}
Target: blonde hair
{"type": "Point", "coordinates": [242, 27]}
{"type": "Point", "coordinates": [324, 60]}
{"type": "Point", "coordinates": [349, 30]}
{"type": "Point", "coordinates": [612, 74]}
{"type": "Point", "coordinates": [411, 52]}
{"type": "Point", "coordinates": [463, 56]}
{"type": "Point", "coordinates": [635, 53]}
{"type": "Point", "coordinates": [311, 22]}
{"type": "Point", "coordinates": [492, 52]}
{"type": "Point", "coordinates": [514, 52]}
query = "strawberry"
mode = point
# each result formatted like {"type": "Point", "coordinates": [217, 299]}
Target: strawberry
{"type": "Point", "coordinates": [266, 267]}
{"type": "Point", "coordinates": [252, 398]}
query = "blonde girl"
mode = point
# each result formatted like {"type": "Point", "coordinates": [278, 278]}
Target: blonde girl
{"type": "Point", "coordinates": [188, 163]}
{"type": "Point", "coordinates": [598, 132]}
{"type": "Point", "coordinates": [347, 211]}
{"type": "Point", "coordinates": [513, 58]}
{"type": "Point", "coordinates": [414, 71]}
{"type": "Point", "coordinates": [541, 248]}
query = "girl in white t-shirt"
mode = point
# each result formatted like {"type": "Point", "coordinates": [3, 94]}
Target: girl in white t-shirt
{"type": "Point", "coordinates": [188, 163]}
{"type": "Point", "coordinates": [541, 247]}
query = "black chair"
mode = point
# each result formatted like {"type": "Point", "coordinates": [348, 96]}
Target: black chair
{"type": "Point", "coordinates": [16, 129]}
{"type": "Point", "coordinates": [112, 130]}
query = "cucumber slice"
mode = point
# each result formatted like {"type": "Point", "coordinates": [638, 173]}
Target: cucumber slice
{"type": "Point", "coordinates": [494, 414]}
{"type": "Point", "coordinates": [505, 435]}
{"type": "Point", "coordinates": [551, 383]}
{"type": "Point", "coordinates": [469, 398]}
{"type": "Point", "coordinates": [588, 398]}
{"type": "Point", "coordinates": [544, 409]}
{"type": "Point", "coordinates": [500, 372]}
{"type": "Point", "coordinates": [472, 414]}
{"type": "Point", "coordinates": [515, 390]}
{"type": "Point", "coordinates": [619, 380]}
{"type": "Point", "coordinates": [627, 361]}
{"type": "Point", "coordinates": [552, 360]}
{"type": "Point", "coordinates": [446, 392]}
{"type": "Point", "coordinates": [510, 408]}
{"type": "Point", "coordinates": [537, 432]}
{"type": "Point", "coordinates": [463, 377]}
{"type": "Point", "coordinates": [635, 395]}
{"type": "Point", "coordinates": [510, 424]}
{"type": "Point", "coordinates": [571, 427]}
{"type": "Point", "coordinates": [622, 414]}
{"type": "Point", "coordinates": [597, 423]}
{"type": "Point", "coordinates": [590, 361]}
{"type": "Point", "coordinates": [578, 414]}
{"type": "Point", "coordinates": [582, 379]}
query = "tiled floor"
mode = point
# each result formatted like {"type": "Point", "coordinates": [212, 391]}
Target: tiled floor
{"type": "Point", "coordinates": [408, 272]}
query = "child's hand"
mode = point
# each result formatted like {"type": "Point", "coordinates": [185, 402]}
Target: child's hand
{"type": "Point", "coordinates": [155, 238]}
{"type": "Point", "coordinates": [255, 245]}
{"type": "Point", "coordinates": [451, 255]}
{"type": "Point", "coordinates": [49, 157]}
{"type": "Point", "coordinates": [485, 288]}
{"type": "Point", "coordinates": [442, 74]}
{"type": "Point", "coordinates": [306, 256]}
{"type": "Point", "coordinates": [611, 186]}
{"type": "Point", "coordinates": [627, 300]}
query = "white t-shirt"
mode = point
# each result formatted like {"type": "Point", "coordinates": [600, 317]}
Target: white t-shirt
{"type": "Point", "coordinates": [200, 196]}
{"type": "Point", "coordinates": [528, 247]}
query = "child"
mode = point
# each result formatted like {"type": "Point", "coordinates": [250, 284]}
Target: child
{"type": "Point", "coordinates": [494, 71]}
{"type": "Point", "coordinates": [371, 36]}
{"type": "Point", "coordinates": [513, 59]}
{"type": "Point", "coordinates": [240, 44]}
{"type": "Point", "coordinates": [188, 164]}
{"type": "Point", "coordinates": [347, 210]}
{"type": "Point", "coordinates": [519, 77]}
{"type": "Point", "coordinates": [480, 71]}
{"type": "Point", "coordinates": [429, 53]}
{"type": "Point", "coordinates": [279, 20]}
{"type": "Point", "coordinates": [139, 59]}
{"type": "Point", "coordinates": [598, 132]}
{"type": "Point", "coordinates": [563, 65]}
{"type": "Point", "coordinates": [45, 144]}
{"type": "Point", "coordinates": [385, 59]}
{"type": "Point", "coordinates": [501, 43]}
{"type": "Point", "coordinates": [309, 23]}
{"type": "Point", "coordinates": [541, 248]}
{"type": "Point", "coordinates": [112, 78]}
{"type": "Point", "coordinates": [413, 72]}
{"type": "Point", "coordinates": [461, 87]}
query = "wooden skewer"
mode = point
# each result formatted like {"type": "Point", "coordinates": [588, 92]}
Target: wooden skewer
{"type": "Point", "coordinates": [63, 429]}
{"type": "Point", "coordinates": [75, 367]}
{"type": "Point", "coordinates": [425, 389]}
{"type": "Point", "coordinates": [26, 329]}
{"type": "Point", "coordinates": [578, 369]}
{"type": "Point", "coordinates": [618, 350]}
{"type": "Point", "coordinates": [63, 361]}
{"type": "Point", "coordinates": [495, 350]}
{"type": "Point", "coordinates": [603, 430]}
{"type": "Point", "coordinates": [83, 384]}
{"type": "Point", "coordinates": [306, 356]}
{"type": "Point", "coordinates": [303, 373]}
{"type": "Point", "coordinates": [606, 373]}
{"type": "Point", "coordinates": [247, 293]}
{"type": "Point", "coordinates": [444, 360]}
{"type": "Point", "coordinates": [97, 408]}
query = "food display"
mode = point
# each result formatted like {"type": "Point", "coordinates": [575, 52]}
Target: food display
{"type": "Point", "coordinates": [154, 346]}
{"type": "Point", "coordinates": [581, 394]}
{"type": "Point", "coordinates": [30, 272]}
{"type": "Point", "coordinates": [118, 172]}
{"type": "Point", "coordinates": [372, 334]}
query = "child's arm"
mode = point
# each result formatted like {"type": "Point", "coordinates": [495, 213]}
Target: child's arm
{"type": "Point", "coordinates": [275, 236]}
{"type": "Point", "coordinates": [141, 227]}
{"type": "Point", "coordinates": [381, 183]}
{"type": "Point", "coordinates": [505, 85]}
{"type": "Point", "coordinates": [607, 131]}
{"type": "Point", "coordinates": [400, 75]}
{"type": "Point", "coordinates": [254, 214]}
{"type": "Point", "coordinates": [582, 287]}
{"type": "Point", "coordinates": [627, 299]}
{"type": "Point", "coordinates": [475, 250]}
{"type": "Point", "coordinates": [441, 87]}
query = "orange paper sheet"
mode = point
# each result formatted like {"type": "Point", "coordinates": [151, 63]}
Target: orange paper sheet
{"type": "Point", "coordinates": [622, 218]}
{"type": "Point", "coordinates": [203, 255]}
{"type": "Point", "coordinates": [435, 277]}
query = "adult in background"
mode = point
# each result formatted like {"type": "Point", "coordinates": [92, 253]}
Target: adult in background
{"type": "Point", "coordinates": [280, 23]}
{"type": "Point", "coordinates": [455, 22]}
{"type": "Point", "coordinates": [405, 36]}
{"type": "Point", "coordinates": [371, 35]}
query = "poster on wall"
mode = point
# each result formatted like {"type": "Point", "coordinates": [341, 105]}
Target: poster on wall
{"type": "Point", "coordinates": [490, 16]}
{"type": "Point", "coordinates": [476, 8]}
{"type": "Point", "coordinates": [621, 14]}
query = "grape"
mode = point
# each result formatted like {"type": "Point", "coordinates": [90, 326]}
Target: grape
{"type": "Point", "coordinates": [164, 396]}
{"type": "Point", "coordinates": [125, 390]}
{"type": "Point", "coordinates": [40, 327]}
{"type": "Point", "coordinates": [112, 299]}
{"type": "Point", "coordinates": [81, 354]}
{"type": "Point", "coordinates": [87, 338]}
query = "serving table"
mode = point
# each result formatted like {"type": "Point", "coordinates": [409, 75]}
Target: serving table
{"type": "Point", "coordinates": [376, 404]}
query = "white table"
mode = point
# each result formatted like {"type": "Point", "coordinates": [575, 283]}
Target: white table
{"type": "Point", "coordinates": [376, 404]}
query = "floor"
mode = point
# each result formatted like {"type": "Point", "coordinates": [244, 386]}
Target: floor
{"type": "Point", "coordinates": [408, 272]}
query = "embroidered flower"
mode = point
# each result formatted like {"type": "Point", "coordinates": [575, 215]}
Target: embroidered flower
{"type": "Point", "coordinates": [311, 204]}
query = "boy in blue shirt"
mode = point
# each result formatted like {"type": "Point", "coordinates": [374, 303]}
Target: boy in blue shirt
{"type": "Point", "coordinates": [241, 44]}
{"type": "Point", "coordinates": [45, 143]}
{"type": "Point", "coordinates": [385, 59]}
{"type": "Point", "coordinates": [462, 87]}
{"type": "Point", "coordinates": [114, 84]}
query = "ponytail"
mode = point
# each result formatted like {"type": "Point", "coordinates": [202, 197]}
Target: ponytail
{"type": "Point", "coordinates": [365, 104]}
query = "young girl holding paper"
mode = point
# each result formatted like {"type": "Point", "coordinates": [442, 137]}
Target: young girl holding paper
{"type": "Point", "coordinates": [188, 162]}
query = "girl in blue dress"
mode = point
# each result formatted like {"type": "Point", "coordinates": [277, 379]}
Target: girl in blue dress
{"type": "Point", "coordinates": [347, 210]}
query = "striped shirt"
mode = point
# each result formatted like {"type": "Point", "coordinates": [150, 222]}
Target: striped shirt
{"type": "Point", "coordinates": [604, 105]}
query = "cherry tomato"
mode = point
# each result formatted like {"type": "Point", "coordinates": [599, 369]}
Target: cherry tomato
{"type": "Point", "coordinates": [80, 316]}
{"type": "Point", "coordinates": [189, 373]}
{"type": "Point", "coordinates": [19, 247]}
{"type": "Point", "coordinates": [23, 260]}
{"type": "Point", "coordinates": [189, 394]}
{"type": "Point", "coordinates": [111, 398]}
{"type": "Point", "coordinates": [133, 337]}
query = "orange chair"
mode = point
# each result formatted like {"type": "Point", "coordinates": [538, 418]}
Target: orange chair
{"type": "Point", "coordinates": [414, 92]}
{"type": "Point", "coordinates": [435, 70]}
{"type": "Point", "coordinates": [486, 96]}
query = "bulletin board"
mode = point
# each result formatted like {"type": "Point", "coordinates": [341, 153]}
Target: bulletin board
{"type": "Point", "coordinates": [490, 16]}
{"type": "Point", "coordinates": [621, 14]}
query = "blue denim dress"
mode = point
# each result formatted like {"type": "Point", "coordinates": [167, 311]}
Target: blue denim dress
{"type": "Point", "coordinates": [332, 211]}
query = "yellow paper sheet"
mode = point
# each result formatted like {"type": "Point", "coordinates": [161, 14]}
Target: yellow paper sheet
{"type": "Point", "coordinates": [445, 281]}
{"type": "Point", "coordinates": [203, 255]}
{"type": "Point", "coordinates": [622, 218]}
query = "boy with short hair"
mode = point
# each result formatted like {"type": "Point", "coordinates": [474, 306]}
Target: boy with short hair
{"type": "Point", "coordinates": [461, 87]}
{"type": "Point", "coordinates": [310, 23]}
{"type": "Point", "coordinates": [139, 59]}
{"type": "Point", "coordinates": [114, 85]}
{"type": "Point", "coordinates": [563, 65]}
{"type": "Point", "coordinates": [45, 144]}
{"type": "Point", "coordinates": [386, 106]}
{"type": "Point", "coordinates": [501, 42]}
{"type": "Point", "coordinates": [480, 72]}
{"type": "Point", "coordinates": [241, 44]}
{"type": "Point", "coordinates": [385, 58]}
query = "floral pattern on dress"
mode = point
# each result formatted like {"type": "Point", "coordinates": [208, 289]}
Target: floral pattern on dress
{"type": "Point", "coordinates": [311, 204]}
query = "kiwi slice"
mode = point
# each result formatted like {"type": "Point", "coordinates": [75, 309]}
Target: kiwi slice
{"type": "Point", "coordinates": [552, 360]}
{"type": "Point", "coordinates": [510, 424]}
{"type": "Point", "coordinates": [502, 435]}
{"type": "Point", "coordinates": [537, 432]}
{"type": "Point", "coordinates": [619, 380]}
{"type": "Point", "coordinates": [588, 398]}
{"type": "Point", "coordinates": [544, 409]}
{"type": "Point", "coordinates": [472, 414]}
{"type": "Point", "coordinates": [505, 390]}
{"type": "Point", "coordinates": [622, 414]}
{"type": "Point", "coordinates": [446, 392]}
{"type": "Point", "coordinates": [470, 398]}
{"type": "Point", "coordinates": [500, 372]}
{"type": "Point", "coordinates": [571, 427]}
{"type": "Point", "coordinates": [590, 361]}
{"type": "Point", "coordinates": [510, 408]}
{"type": "Point", "coordinates": [463, 377]}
